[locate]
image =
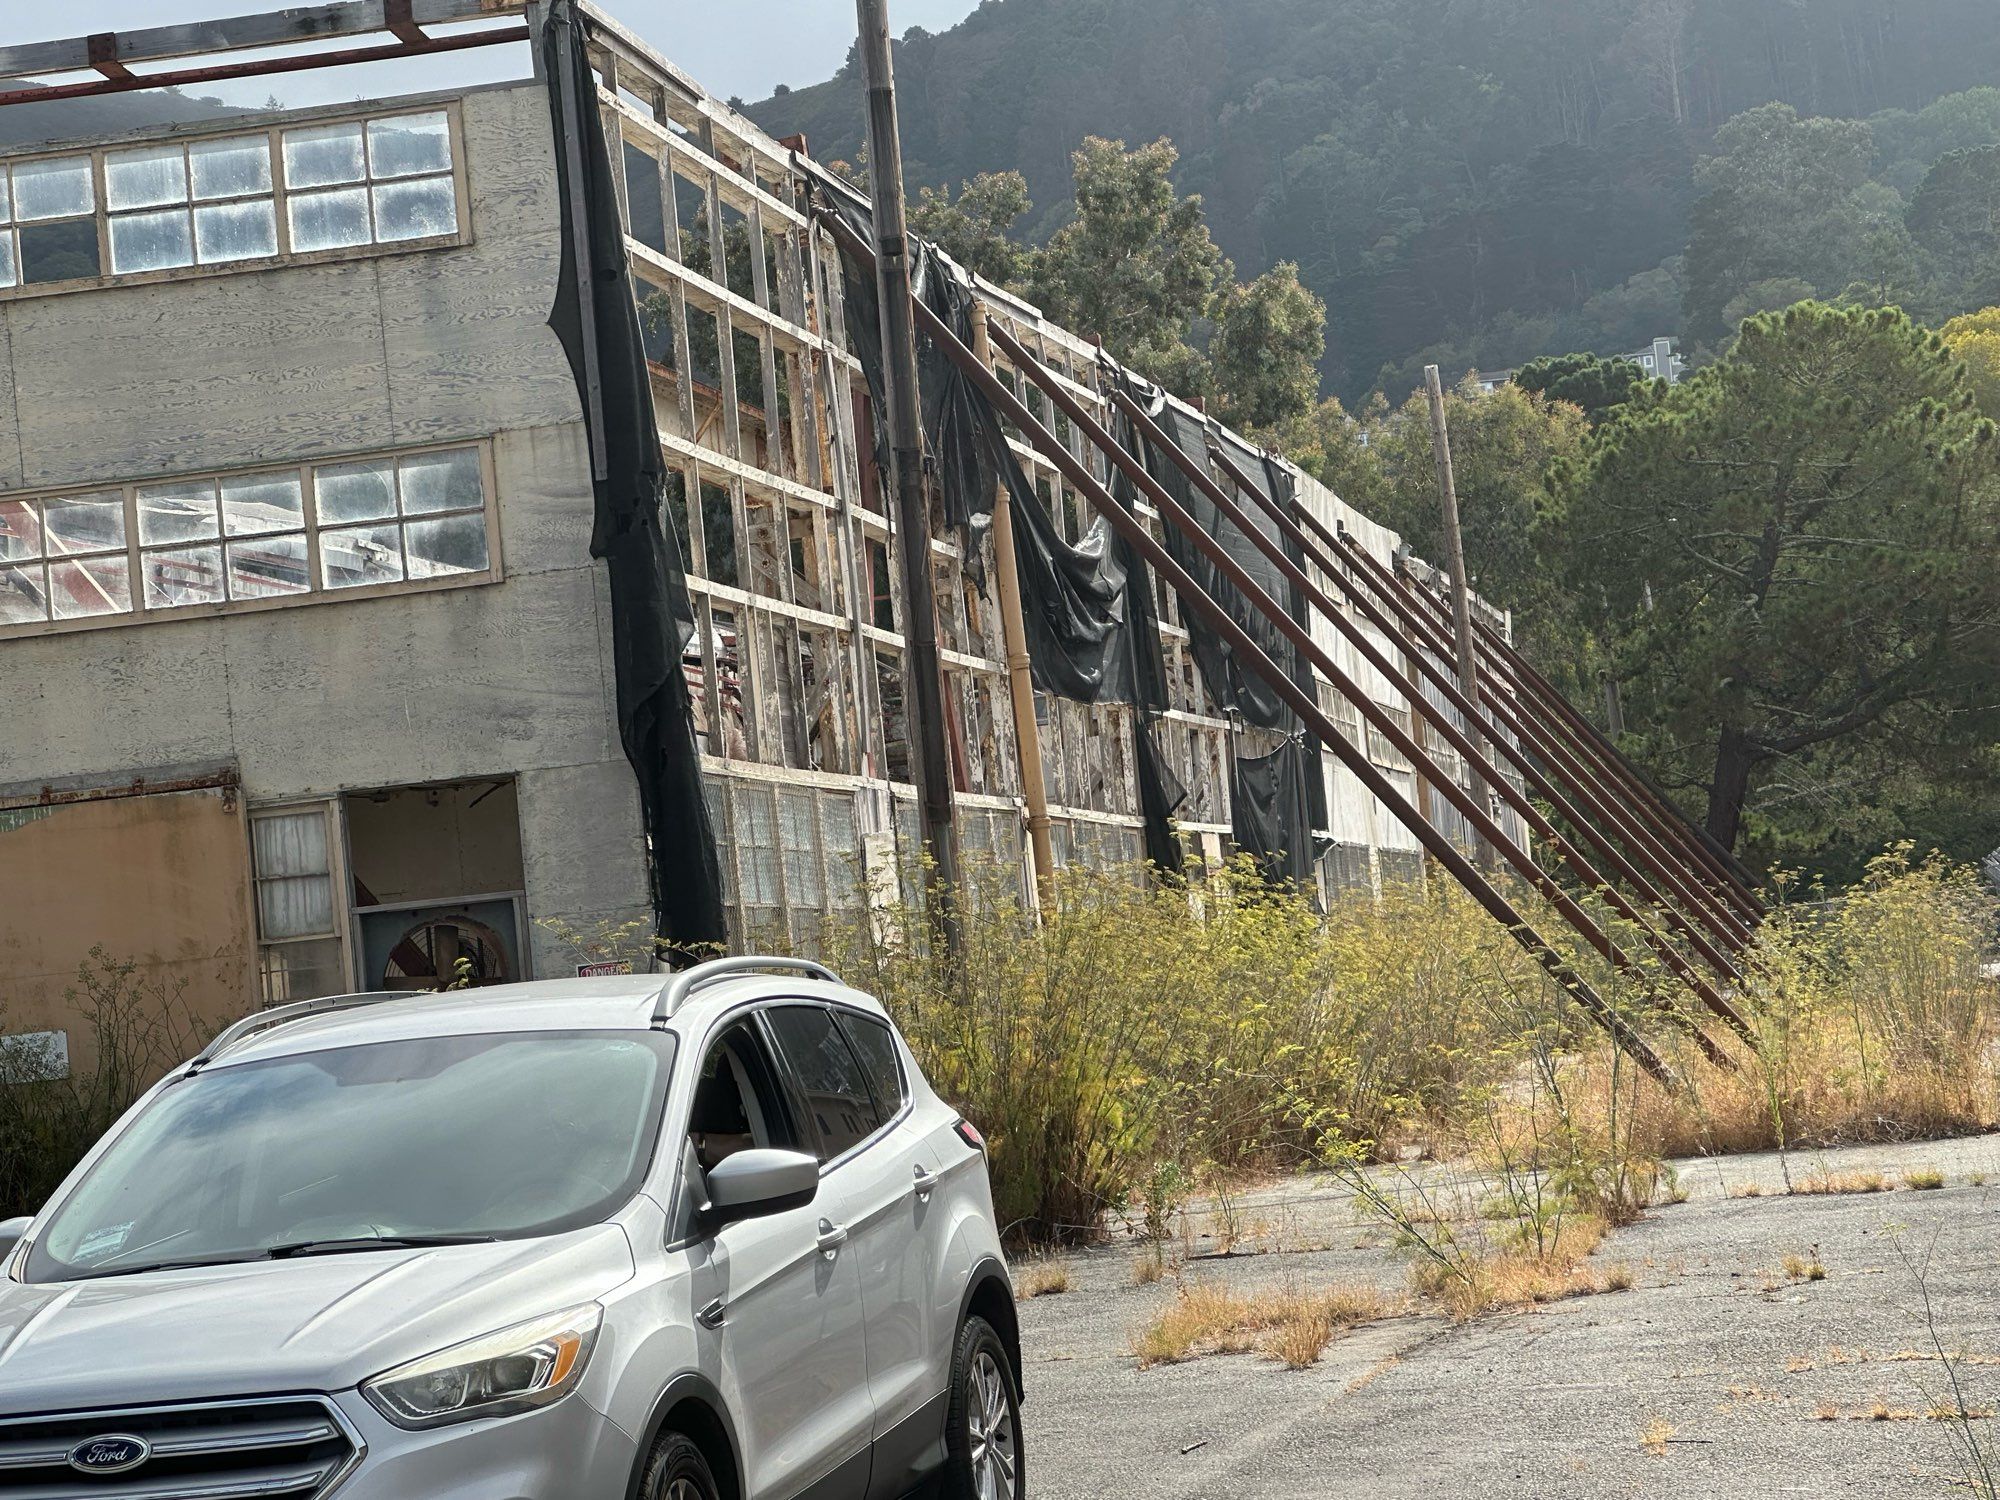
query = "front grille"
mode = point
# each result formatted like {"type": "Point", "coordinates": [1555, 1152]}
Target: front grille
{"type": "Point", "coordinates": [293, 1448]}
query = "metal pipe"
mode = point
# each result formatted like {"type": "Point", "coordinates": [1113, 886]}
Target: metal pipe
{"type": "Point", "coordinates": [1484, 772]}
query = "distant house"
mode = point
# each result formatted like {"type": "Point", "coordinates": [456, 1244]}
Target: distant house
{"type": "Point", "coordinates": [1659, 360]}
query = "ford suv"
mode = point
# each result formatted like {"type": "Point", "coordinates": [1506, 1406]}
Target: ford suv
{"type": "Point", "coordinates": [701, 1237]}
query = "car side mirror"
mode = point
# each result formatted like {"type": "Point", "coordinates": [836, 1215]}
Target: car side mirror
{"type": "Point", "coordinates": [11, 1231]}
{"type": "Point", "coordinates": [756, 1184]}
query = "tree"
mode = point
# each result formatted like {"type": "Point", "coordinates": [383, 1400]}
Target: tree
{"type": "Point", "coordinates": [1795, 555]}
{"type": "Point", "coordinates": [973, 229]}
{"type": "Point", "coordinates": [1269, 337]}
{"type": "Point", "coordinates": [1777, 200]}
{"type": "Point", "coordinates": [1975, 339]}
{"type": "Point", "coordinates": [1136, 265]}
{"type": "Point", "coordinates": [1589, 382]}
{"type": "Point", "coordinates": [1955, 216]}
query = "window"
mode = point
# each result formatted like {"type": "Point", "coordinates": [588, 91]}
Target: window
{"type": "Point", "coordinates": [836, 1090]}
{"type": "Point", "coordinates": [228, 200]}
{"type": "Point", "coordinates": [297, 919]}
{"type": "Point", "coordinates": [875, 1045]}
{"type": "Point", "coordinates": [249, 537]}
{"type": "Point", "coordinates": [738, 1102]}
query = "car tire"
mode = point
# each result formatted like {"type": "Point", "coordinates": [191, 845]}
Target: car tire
{"type": "Point", "coordinates": [982, 1435]}
{"type": "Point", "coordinates": [677, 1470]}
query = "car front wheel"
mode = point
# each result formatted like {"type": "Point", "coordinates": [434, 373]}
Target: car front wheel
{"type": "Point", "coordinates": [677, 1470]}
{"type": "Point", "coordinates": [983, 1429]}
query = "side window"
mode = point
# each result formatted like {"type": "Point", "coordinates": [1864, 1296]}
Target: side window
{"type": "Point", "coordinates": [738, 1101]}
{"type": "Point", "coordinates": [835, 1088]}
{"type": "Point", "coordinates": [875, 1045]}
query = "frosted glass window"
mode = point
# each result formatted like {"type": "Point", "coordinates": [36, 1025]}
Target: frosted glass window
{"type": "Point", "coordinates": [255, 503]}
{"type": "Point", "coordinates": [89, 523]}
{"type": "Point", "coordinates": [183, 575]}
{"type": "Point", "coordinates": [6, 201]}
{"type": "Point", "coordinates": [269, 567]}
{"type": "Point", "coordinates": [235, 231]}
{"type": "Point", "coordinates": [177, 512]}
{"type": "Point", "coordinates": [354, 492]}
{"type": "Point", "coordinates": [54, 189]}
{"type": "Point", "coordinates": [409, 145]}
{"type": "Point", "coordinates": [85, 587]}
{"type": "Point", "coordinates": [447, 545]}
{"type": "Point", "coordinates": [6, 258]}
{"type": "Point", "coordinates": [24, 595]}
{"type": "Point", "coordinates": [323, 155]}
{"type": "Point", "coordinates": [358, 556]}
{"type": "Point", "coordinates": [415, 210]}
{"type": "Point", "coordinates": [329, 221]}
{"type": "Point", "coordinates": [230, 168]}
{"type": "Point", "coordinates": [145, 178]}
{"type": "Point", "coordinates": [294, 880]}
{"type": "Point", "coordinates": [151, 242]}
{"type": "Point", "coordinates": [441, 481]}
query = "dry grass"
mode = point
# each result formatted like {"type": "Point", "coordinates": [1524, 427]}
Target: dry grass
{"type": "Point", "coordinates": [1923, 1179]}
{"type": "Point", "coordinates": [1293, 1325]}
{"type": "Point", "coordinates": [1525, 1276]}
{"type": "Point", "coordinates": [1842, 1182]}
{"type": "Point", "coordinates": [1747, 1190]}
{"type": "Point", "coordinates": [1149, 1267]}
{"type": "Point", "coordinates": [1804, 1267]}
{"type": "Point", "coordinates": [1041, 1278]}
{"type": "Point", "coordinates": [1655, 1436]}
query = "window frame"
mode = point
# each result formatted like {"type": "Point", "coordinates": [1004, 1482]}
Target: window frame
{"type": "Point", "coordinates": [311, 527]}
{"type": "Point", "coordinates": [340, 888]}
{"type": "Point", "coordinates": [868, 1141]}
{"type": "Point", "coordinates": [273, 130]}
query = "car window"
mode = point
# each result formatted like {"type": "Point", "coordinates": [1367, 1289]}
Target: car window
{"type": "Point", "coordinates": [835, 1088]}
{"type": "Point", "coordinates": [875, 1045]}
{"type": "Point", "coordinates": [738, 1101]}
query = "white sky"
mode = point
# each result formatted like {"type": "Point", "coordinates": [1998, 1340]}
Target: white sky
{"type": "Point", "coordinates": [742, 47]}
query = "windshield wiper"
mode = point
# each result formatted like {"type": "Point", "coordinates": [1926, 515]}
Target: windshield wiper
{"type": "Point", "coordinates": [233, 1258]}
{"type": "Point", "coordinates": [374, 1242]}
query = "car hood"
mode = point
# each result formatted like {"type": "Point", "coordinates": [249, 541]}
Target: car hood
{"type": "Point", "coordinates": [320, 1323]}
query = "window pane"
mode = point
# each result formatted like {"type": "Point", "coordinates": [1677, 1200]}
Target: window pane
{"type": "Point", "coordinates": [177, 512]}
{"type": "Point", "coordinates": [354, 492]}
{"type": "Point", "coordinates": [20, 530]}
{"type": "Point", "coordinates": [359, 556]}
{"type": "Point", "coordinates": [289, 844]}
{"type": "Point", "coordinates": [323, 154]}
{"type": "Point", "coordinates": [227, 168]}
{"type": "Point", "coordinates": [327, 221]}
{"type": "Point", "coordinates": [143, 178]}
{"type": "Point", "coordinates": [267, 568]}
{"type": "Point", "coordinates": [409, 144]}
{"type": "Point", "coordinates": [235, 231]}
{"type": "Point", "coordinates": [451, 544]}
{"type": "Point", "coordinates": [415, 210]}
{"type": "Point", "coordinates": [23, 595]}
{"type": "Point", "coordinates": [6, 257]}
{"type": "Point", "coordinates": [294, 907]}
{"type": "Point", "coordinates": [59, 252]}
{"type": "Point", "coordinates": [836, 1092]}
{"type": "Point", "coordinates": [797, 828]}
{"type": "Point", "coordinates": [53, 189]}
{"type": "Point", "coordinates": [441, 481]}
{"type": "Point", "coordinates": [6, 201]}
{"type": "Point", "coordinates": [93, 586]}
{"type": "Point", "coordinates": [182, 575]}
{"type": "Point", "coordinates": [876, 1048]}
{"type": "Point", "coordinates": [301, 971]}
{"type": "Point", "coordinates": [89, 523]}
{"type": "Point", "coordinates": [252, 503]}
{"type": "Point", "coordinates": [642, 194]}
{"type": "Point", "coordinates": [151, 242]}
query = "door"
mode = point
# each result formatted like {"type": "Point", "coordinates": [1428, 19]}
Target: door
{"type": "Point", "coordinates": [848, 1071]}
{"type": "Point", "coordinates": [778, 1298]}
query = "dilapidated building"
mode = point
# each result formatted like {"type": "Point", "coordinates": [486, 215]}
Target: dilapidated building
{"type": "Point", "coordinates": [315, 675]}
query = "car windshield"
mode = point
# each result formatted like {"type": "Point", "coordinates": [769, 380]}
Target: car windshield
{"type": "Point", "coordinates": [433, 1139]}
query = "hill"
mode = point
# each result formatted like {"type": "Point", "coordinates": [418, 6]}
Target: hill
{"type": "Point", "coordinates": [30, 123]}
{"type": "Point", "coordinates": [1474, 181]}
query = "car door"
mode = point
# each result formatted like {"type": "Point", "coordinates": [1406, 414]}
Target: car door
{"type": "Point", "coordinates": [779, 1308]}
{"type": "Point", "coordinates": [884, 1170]}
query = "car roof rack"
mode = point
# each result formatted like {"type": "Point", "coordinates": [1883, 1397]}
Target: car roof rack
{"type": "Point", "coordinates": [715, 970]}
{"type": "Point", "coordinates": [281, 1015]}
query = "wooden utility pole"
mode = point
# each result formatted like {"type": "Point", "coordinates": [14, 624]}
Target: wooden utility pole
{"type": "Point", "coordinates": [1020, 682]}
{"type": "Point", "coordinates": [1461, 591]}
{"type": "Point", "coordinates": [923, 683]}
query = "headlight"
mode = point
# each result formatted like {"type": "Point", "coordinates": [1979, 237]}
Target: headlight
{"type": "Point", "coordinates": [514, 1370]}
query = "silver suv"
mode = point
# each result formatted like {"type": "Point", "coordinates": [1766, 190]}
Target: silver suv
{"type": "Point", "coordinates": [710, 1237]}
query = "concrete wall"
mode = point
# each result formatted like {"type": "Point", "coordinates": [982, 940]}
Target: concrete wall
{"type": "Point", "coordinates": [299, 362]}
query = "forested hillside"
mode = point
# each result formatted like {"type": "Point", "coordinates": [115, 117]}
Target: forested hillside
{"type": "Point", "coordinates": [1482, 181]}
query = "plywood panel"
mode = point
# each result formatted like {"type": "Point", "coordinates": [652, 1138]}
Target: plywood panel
{"type": "Point", "coordinates": [160, 881]}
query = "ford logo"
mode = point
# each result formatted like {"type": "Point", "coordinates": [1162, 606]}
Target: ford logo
{"type": "Point", "coordinates": [113, 1453]}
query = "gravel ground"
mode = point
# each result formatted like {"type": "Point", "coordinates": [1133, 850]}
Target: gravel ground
{"type": "Point", "coordinates": [1729, 1367]}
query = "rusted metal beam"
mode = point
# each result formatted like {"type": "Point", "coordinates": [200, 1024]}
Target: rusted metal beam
{"type": "Point", "coordinates": [1412, 634]}
{"type": "Point", "coordinates": [1467, 744]}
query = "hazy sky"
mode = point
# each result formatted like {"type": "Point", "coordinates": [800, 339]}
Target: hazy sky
{"type": "Point", "coordinates": [730, 46]}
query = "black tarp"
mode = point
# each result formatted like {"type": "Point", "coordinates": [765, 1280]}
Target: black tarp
{"type": "Point", "coordinates": [1087, 608]}
{"type": "Point", "coordinates": [1271, 798]}
{"type": "Point", "coordinates": [652, 617]}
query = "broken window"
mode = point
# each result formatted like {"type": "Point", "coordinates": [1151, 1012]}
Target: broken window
{"type": "Point", "coordinates": [54, 203]}
{"type": "Point", "coordinates": [439, 499]}
{"type": "Point", "coordinates": [646, 213]}
{"type": "Point", "coordinates": [718, 529]}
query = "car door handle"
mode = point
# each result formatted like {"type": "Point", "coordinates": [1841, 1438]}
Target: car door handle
{"type": "Point", "coordinates": [712, 1315]}
{"type": "Point", "coordinates": [926, 1180]}
{"type": "Point", "coordinates": [831, 1237]}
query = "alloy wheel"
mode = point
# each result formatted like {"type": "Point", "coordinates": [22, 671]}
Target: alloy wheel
{"type": "Point", "coordinates": [989, 1420]}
